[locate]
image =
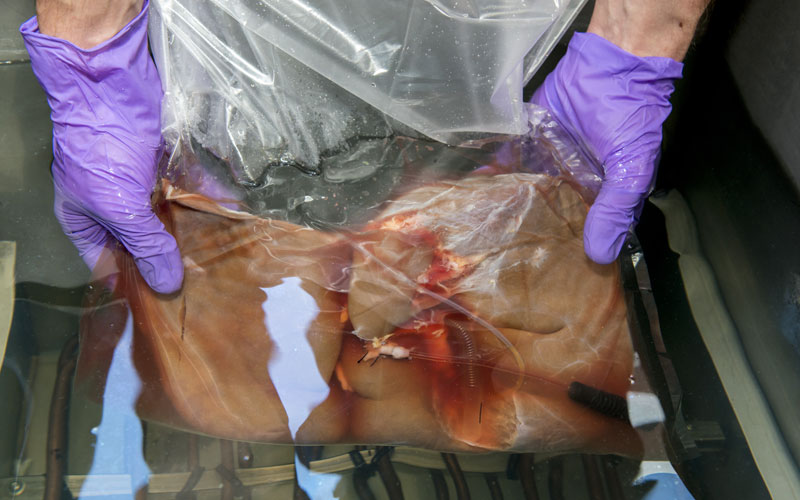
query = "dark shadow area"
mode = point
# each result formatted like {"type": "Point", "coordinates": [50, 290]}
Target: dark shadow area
{"type": "Point", "coordinates": [748, 218]}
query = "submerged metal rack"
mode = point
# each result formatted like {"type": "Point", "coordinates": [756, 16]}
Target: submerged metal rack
{"type": "Point", "coordinates": [372, 470]}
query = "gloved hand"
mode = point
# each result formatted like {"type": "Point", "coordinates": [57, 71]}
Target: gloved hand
{"type": "Point", "coordinates": [106, 105]}
{"type": "Point", "coordinates": [615, 102]}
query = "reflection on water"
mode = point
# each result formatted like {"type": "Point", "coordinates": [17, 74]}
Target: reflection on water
{"type": "Point", "coordinates": [288, 313]}
{"type": "Point", "coordinates": [261, 343]}
{"type": "Point", "coordinates": [118, 439]}
{"type": "Point", "coordinates": [316, 484]}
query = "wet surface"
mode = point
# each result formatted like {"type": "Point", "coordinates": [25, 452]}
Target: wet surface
{"type": "Point", "coordinates": [99, 435]}
{"type": "Point", "coordinates": [45, 317]}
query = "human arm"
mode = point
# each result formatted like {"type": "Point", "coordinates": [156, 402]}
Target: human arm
{"type": "Point", "coordinates": [85, 23]}
{"type": "Point", "coordinates": [612, 91]}
{"type": "Point", "coordinates": [648, 28]}
{"type": "Point", "coordinates": [92, 60]}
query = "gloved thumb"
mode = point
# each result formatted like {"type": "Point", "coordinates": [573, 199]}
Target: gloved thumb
{"type": "Point", "coordinates": [163, 272]}
{"type": "Point", "coordinates": [609, 220]}
{"type": "Point", "coordinates": [154, 251]}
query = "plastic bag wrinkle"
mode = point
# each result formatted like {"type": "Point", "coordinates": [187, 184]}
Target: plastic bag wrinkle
{"type": "Point", "coordinates": [469, 258]}
{"type": "Point", "coordinates": [256, 80]}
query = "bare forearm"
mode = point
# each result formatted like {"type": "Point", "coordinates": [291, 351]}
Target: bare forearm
{"type": "Point", "coordinates": [648, 27]}
{"type": "Point", "coordinates": [85, 23]}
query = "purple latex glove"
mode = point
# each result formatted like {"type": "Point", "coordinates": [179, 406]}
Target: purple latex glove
{"type": "Point", "coordinates": [106, 106]}
{"type": "Point", "coordinates": [615, 102]}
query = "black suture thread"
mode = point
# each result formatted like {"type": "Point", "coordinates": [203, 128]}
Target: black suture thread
{"type": "Point", "coordinates": [183, 317]}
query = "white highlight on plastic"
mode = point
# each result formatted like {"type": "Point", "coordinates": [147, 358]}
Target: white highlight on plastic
{"type": "Point", "coordinates": [118, 467]}
{"type": "Point", "coordinates": [288, 313]}
{"type": "Point", "coordinates": [644, 409]}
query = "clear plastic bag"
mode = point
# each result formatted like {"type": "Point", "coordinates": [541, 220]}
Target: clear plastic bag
{"type": "Point", "coordinates": [264, 83]}
{"type": "Point", "coordinates": [451, 308]}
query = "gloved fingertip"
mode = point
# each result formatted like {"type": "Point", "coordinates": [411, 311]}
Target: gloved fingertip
{"type": "Point", "coordinates": [164, 272]}
{"type": "Point", "coordinates": [603, 239]}
{"type": "Point", "coordinates": [601, 254]}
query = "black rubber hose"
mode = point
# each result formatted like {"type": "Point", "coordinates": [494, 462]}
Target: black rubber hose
{"type": "Point", "coordinates": [187, 492]}
{"type": "Point", "coordinates": [388, 475]}
{"type": "Point", "coordinates": [226, 459]}
{"type": "Point", "coordinates": [612, 478]}
{"type": "Point", "coordinates": [462, 490]}
{"type": "Point", "coordinates": [299, 493]}
{"type": "Point", "coordinates": [494, 486]}
{"type": "Point", "coordinates": [439, 485]}
{"type": "Point", "coordinates": [360, 485]}
{"type": "Point", "coordinates": [195, 471]}
{"type": "Point", "coordinates": [56, 465]}
{"type": "Point", "coordinates": [307, 454]}
{"type": "Point", "coordinates": [555, 478]}
{"type": "Point", "coordinates": [526, 477]}
{"type": "Point", "coordinates": [593, 480]}
{"type": "Point", "coordinates": [361, 474]}
{"type": "Point", "coordinates": [244, 457]}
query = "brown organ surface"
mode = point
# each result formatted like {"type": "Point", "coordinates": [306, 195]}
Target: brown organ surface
{"type": "Point", "coordinates": [455, 320]}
